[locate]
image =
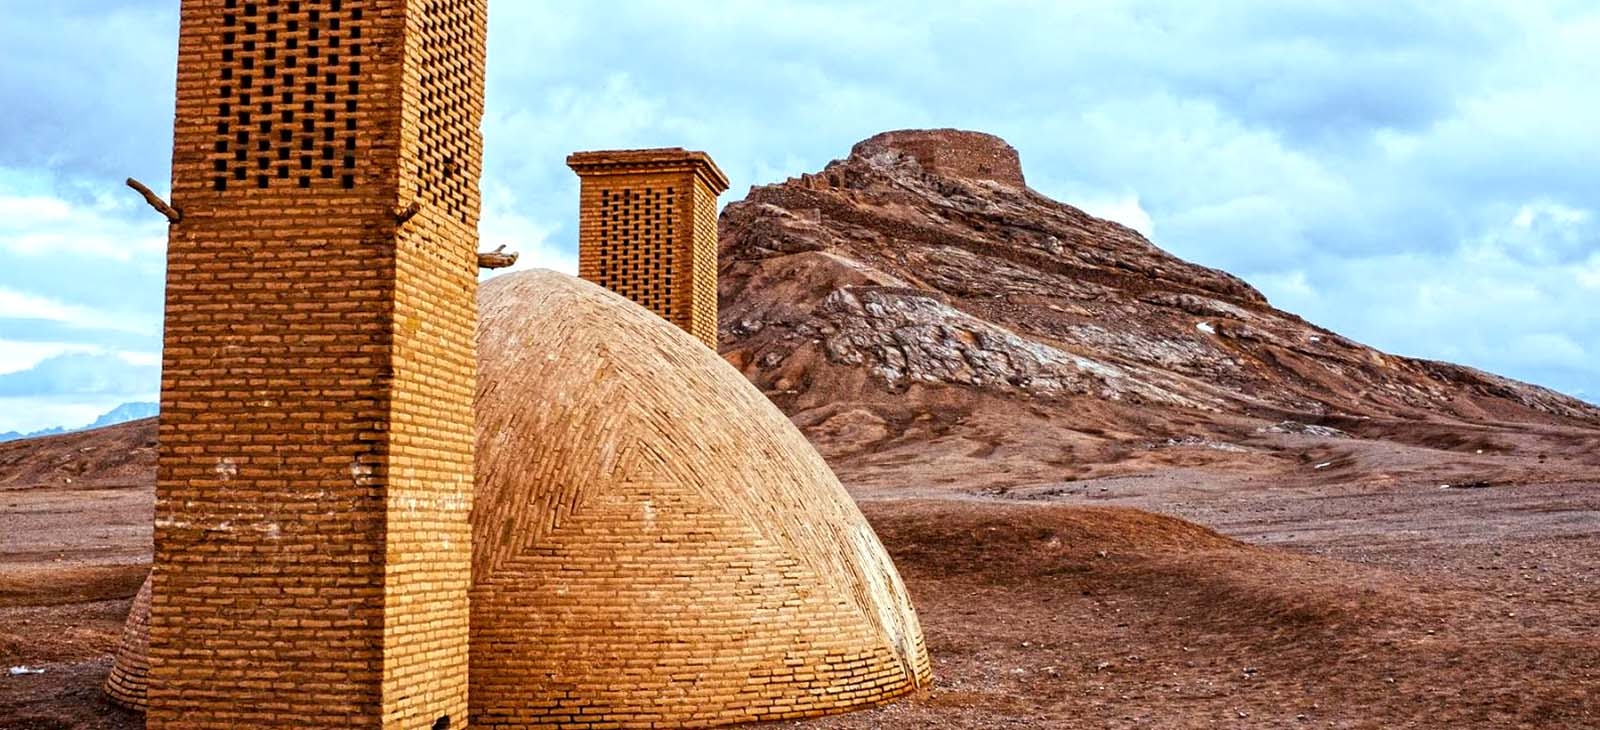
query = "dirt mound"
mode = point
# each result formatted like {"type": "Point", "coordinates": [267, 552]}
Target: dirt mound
{"type": "Point", "coordinates": [1160, 561]}
{"type": "Point", "coordinates": [120, 454]}
{"type": "Point", "coordinates": [1057, 617]}
{"type": "Point", "coordinates": [1051, 616]}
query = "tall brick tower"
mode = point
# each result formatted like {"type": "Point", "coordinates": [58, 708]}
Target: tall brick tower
{"type": "Point", "coordinates": [312, 543]}
{"type": "Point", "coordinates": [647, 229]}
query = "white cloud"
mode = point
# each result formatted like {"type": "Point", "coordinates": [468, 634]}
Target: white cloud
{"type": "Point", "coordinates": [16, 355]}
{"type": "Point", "coordinates": [1418, 175]}
{"type": "Point", "coordinates": [1547, 348]}
{"type": "Point", "coordinates": [1290, 290]}
{"type": "Point", "coordinates": [502, 225]}
{"type": "Point", "coordinates": [1124, 209]}
{"type": "Point", "coordinates": [140, 359]}
{"type": "Point", "coordinates": [38, 225]}
{"type": "Point", "coordinates": [1588, 274]}
{"type": "Point", "coordinates": [22, 305]}
{"type": "Point", "coordinates": [1484, 302]}
{"type": "Point", "coordinates": [1530, 214]}
{"type": "Point", "coordinates": [34, 413]}
{"type": "Point", "coordinates": [35, 209]}
{"type": "Point", "coordinates": [71, 389]}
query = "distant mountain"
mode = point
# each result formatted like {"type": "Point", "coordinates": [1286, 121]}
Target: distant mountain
{"type": "Point", "coordinates": [126, 412]}
{"type": "Point", "coordinates": [17, 435]}
{"type": "Point", "coordinates": [121, 414]}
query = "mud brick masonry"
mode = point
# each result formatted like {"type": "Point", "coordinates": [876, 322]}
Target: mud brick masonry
{"type": "Point", "coordinates": [654, 543]}
{"type": "Point", "coordinates": [369, 497]}
{"type": "Point", "coordinates": [647, 229]}
{"type": "Point", "coordinates": [312, 539]}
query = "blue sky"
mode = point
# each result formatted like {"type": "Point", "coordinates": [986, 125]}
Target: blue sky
{"type": "Point", "coordinates": [1420, 176]}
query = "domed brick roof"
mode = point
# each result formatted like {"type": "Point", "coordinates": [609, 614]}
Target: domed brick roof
{"type": "Point", "coordinates": [129, 668]}
{"type": "Point", "coordinates": [654, 542]}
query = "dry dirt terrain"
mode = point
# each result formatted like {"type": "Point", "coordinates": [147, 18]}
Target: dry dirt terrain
{"type": "Point", "coordinates": [1275, 601]}
{"type": "Point", "coordinates": [1124, 490]}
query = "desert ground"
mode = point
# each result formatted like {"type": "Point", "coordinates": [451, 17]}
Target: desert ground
{"type": "Point", "coordinates": [1159, 595]}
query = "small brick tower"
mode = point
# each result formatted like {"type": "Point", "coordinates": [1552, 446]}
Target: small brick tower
{"type": "Point", "coordinates": [647, 229]}
{"type": "Point", "coordinates": [312, 543]}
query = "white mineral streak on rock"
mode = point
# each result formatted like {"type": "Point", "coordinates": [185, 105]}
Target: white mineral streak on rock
{"type": "Point", "coordinates": [908, 337]}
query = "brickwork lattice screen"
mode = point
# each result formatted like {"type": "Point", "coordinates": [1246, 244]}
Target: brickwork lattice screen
{"type": "Point", "coordinates": [703, 287]}
{"type": "Point", "coordinates": [636, 255]}
{"type": "Point", "coordinates": [448, 169]}
{"type": "Point", "coordinates": [647, 229]}
{"type": "Point", "coordinates": [287, 104]}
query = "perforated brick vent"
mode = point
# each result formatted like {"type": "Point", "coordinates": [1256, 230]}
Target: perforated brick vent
{"type": "Point", "coordinates": [286, 107]}
{"type": "Point", "coordinates": [444, 178]}
{"type": "Point", "coordinates": [637, 242]}
{"type": "Point", "coordinates": [704, 253]}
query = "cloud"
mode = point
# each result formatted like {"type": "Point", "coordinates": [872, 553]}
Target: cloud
{"type": "Point", "coordinates": [1498, 300]}
{"type": "Point", "coordinates": [20, 354]}
{"type": "Point", "coordinates": [503, 226]}
{"type": "Point", "coordinates": [35, 225]}
{"type": "Point", "coordinates": [37, 413]}
{"type": "Point", "coordinates": [1588, 273]}
{"type": "Point", "coordinates": [73, 388]}
{"type": "Point", "coordinates": [1415, 175]}
{"type": "Point", "coordinates": [83, 374]}
{"type": "Point", "coordinates": [76, 276]}
{"type": "Point", "coordinates": [88, 90]}
{"type": "Point", "coordinates": [1124, 209]}
{"type": "Point", "coordinates": [17, 305]}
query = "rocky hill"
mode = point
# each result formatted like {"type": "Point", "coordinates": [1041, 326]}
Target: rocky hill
{"type": "Point", "coordinates": [918, 290]}
{"type": "Point", "coordinates": [931, 322]}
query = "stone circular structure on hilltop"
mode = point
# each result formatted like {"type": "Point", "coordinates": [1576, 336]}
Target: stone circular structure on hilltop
{"type": "Point", "coordinates": [654, 543]}
{"type": "Point", "coordinates": [952, 153]}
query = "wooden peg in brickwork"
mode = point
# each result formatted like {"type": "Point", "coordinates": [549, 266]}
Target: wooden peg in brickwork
{"type": "Point", "coordinates": [155, 201]}
{"type": "Point", "coordinates": [496, 259]}
{"type": "Point", "coordinates": [407, 213]}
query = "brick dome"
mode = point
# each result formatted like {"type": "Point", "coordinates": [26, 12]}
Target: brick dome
{"type": "Point", "coordinates": [127, 681]}
{"type": "Point", "coordinates": [654, 543]}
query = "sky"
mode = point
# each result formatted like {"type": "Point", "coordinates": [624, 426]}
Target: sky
{"type": "Point", "coordinates": [1423, 177]}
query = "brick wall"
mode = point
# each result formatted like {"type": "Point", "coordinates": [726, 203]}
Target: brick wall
{"type": "Point", "coordinates": [702, 285]}
{"type": "Point", "coordinates": [315, 469]}
{"type": "Point", "coordinates": [656, 545]}
{"type": "Point", "coordinates": [653, 541]}
{"type": "Point", "coordinates": [647, 229]}
{"type": "Point", "coordinates": [130, 668]}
